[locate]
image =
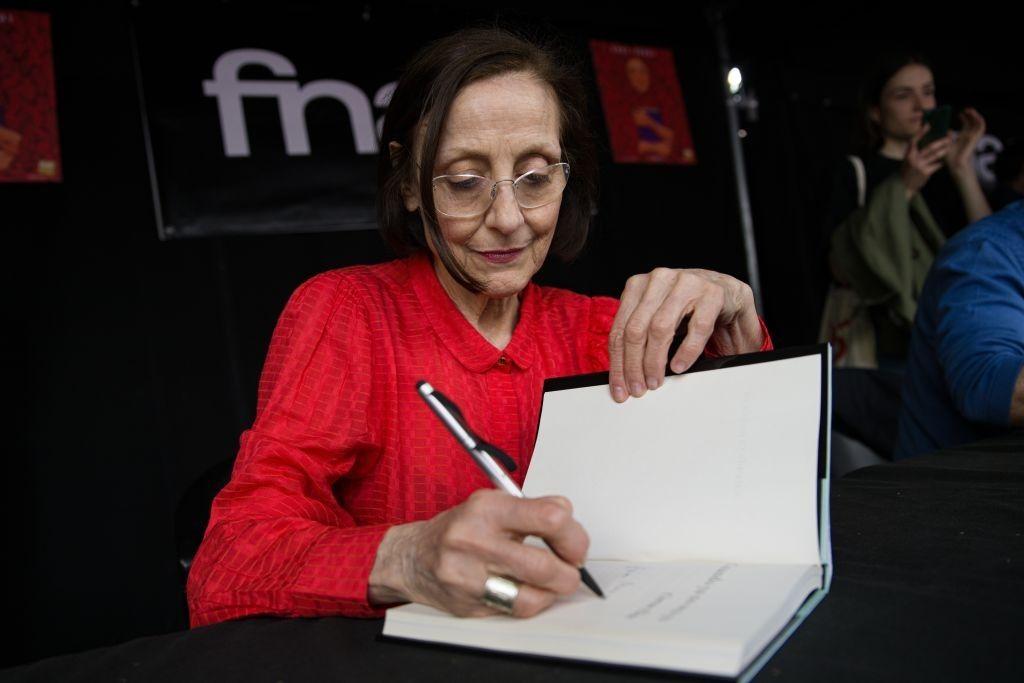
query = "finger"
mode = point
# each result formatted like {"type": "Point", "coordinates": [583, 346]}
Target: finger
{"type": "Point", "coordinates": [937, 148]}
{"type": "Point", "coordinates": [549, 520]}
{"type": "Point", "coordinates": [931, 167]}
{"type": "Point", "coordinates": [935, 155]}
{"type": "Point", "coordinates": [699, 330]}
{"type": "Point", "coordinates": [978, 120]}
{"type": "Point", "coordinates": [637, 330]}
{"type": "Point", "coordinates": [532, 600]}
{"type": "Point", "coordinates": [970, 117]}
{"type": "Point", "coordinates": [467, 598]}
{"type": "Point", "coordinates": [972, 125]}
{"type": "Point", "coordinates": [559, 500]}
{"type": "Point", "coordinates": [677, 305]}
{"type": "Point", "coordinates": [538, 567]}
{"type": "Point", "coordinates": [912, 149]}
{"type": "Point", "coordinates": [617, 337]}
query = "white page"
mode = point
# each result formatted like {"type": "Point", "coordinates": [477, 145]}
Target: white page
{"type": "Point", "coordinates": [727, 469]}
{"type": "Point", "coordinates": [698, 616]}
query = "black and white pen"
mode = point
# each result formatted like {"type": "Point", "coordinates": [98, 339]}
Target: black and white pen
{"type": "Point", "coordinates": [485, 455]}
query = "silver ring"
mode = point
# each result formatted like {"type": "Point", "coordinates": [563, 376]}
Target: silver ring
{"type": "Point", "coordinates": [500, 593]}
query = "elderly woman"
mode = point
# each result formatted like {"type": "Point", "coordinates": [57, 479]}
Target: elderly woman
{"type": "Point", "coordinates": [347, 494]}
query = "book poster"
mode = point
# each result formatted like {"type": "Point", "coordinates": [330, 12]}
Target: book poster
{"type": "Point", "coordinates": [29, 146]}
{"type": "Point", "coordinates": [643, 104]}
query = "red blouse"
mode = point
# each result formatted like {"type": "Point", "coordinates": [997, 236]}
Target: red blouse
{"type": "Point", "coordinates": [343, 447]}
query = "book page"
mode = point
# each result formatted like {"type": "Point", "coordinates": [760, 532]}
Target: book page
{"type": "Point", "coordinates": [698, 616]}
{"type": "Point", "coordinates": [701, 600]}
{"type": "Point", "coordinates": [716, 465]}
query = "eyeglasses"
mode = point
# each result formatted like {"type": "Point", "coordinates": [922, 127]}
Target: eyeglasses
{"type": "Point", "coordinates": [466, 196]}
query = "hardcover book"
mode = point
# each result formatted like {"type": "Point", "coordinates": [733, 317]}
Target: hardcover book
{"type": "Point", "coordinates": [706, 502]}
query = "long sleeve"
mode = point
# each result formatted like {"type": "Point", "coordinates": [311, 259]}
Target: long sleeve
{"type": "Point", "coordinates": [278, 541]}
{"type": "Point", "coordinates": [593, 346]}
{"type": "Point", "coordinates": [980, 328]}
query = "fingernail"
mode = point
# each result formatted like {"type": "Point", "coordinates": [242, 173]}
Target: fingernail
{"type": "Point", "coordinates": [618, 393]}
{"type": "Point", "coordinates": [638, 388]}
{"type": "Point", "coordinates": [652, 383]}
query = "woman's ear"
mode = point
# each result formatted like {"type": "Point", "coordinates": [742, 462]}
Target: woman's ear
{"type": "Point", "coordinates": [874, 115]}
{"type": "Point", "coordinates": [410, 195]}
{"type": "Point", "coordinates": [395, 152]}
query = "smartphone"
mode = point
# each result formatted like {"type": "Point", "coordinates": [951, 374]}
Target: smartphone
{"type": "Point", "coordinates": [939, 119]}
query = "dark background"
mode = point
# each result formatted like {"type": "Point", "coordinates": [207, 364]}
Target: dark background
{"type": "Point", "coordinates": [135, 361]}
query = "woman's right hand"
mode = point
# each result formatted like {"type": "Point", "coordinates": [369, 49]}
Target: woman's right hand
{"type": "Point", "coordinates": [920, 164]}
{"type": "Point", "coordinates": [445, 561]}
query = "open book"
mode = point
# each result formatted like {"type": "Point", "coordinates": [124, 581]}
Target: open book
{"type": "Point", "coordinates": [706, 502]}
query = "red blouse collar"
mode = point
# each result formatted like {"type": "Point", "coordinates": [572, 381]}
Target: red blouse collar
{"type": "Point", "coordinates": [463, 340]}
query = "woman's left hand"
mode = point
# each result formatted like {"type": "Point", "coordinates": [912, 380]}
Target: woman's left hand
{"type": "Point", "coordinates": [721, 309]}
{"type": "Point", "coordinates": [960, 157]}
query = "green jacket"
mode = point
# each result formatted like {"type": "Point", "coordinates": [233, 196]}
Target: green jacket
{"type": "Point", "coordinates": [884, 250]}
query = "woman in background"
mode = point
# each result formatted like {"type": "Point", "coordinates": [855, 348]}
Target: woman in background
{"type": "Point", "coordinates": [893, 206]}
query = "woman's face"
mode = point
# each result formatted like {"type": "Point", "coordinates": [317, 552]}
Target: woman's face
{"type": "Point", "coordinates": [905, 98]}
{"type": "Point", "coordinates": [500, 128]}
{"type": "Point", "coordinates": [638, 75]}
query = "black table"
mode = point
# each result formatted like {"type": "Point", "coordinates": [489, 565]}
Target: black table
{"type": "Point", "coordinates": [929, 585]}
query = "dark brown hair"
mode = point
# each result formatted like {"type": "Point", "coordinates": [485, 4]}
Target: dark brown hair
{"type": "Point", "coordinates": [869, 134]}
{"type": "Point", "coordinates": [424, 95]}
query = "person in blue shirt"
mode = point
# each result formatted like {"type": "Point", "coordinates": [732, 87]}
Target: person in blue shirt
{"type": "Point", "coordinates": [964, 368]}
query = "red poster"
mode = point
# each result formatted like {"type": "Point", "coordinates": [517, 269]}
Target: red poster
{"type": "Point", "coordinates": [643, 104]}
{"type": "Point", "coordinates": [29, 146]}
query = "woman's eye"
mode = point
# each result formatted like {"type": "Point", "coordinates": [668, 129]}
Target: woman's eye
{"type": "Point", "coordinates": [464, 183]}
{"type": "Point", "coordinates": [537, 178]}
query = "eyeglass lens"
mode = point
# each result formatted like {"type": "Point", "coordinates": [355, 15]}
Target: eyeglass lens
{"type": "Point", "coordinates": [465, 196]}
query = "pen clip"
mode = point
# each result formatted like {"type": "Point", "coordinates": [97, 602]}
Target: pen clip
{"type": "Point", "coordinates": [490, 449]}
{"type": "Point", "coordinates": [455, 412]}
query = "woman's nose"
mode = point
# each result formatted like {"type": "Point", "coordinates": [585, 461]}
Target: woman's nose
{"type": "Point", "coordinates": [504, 214]}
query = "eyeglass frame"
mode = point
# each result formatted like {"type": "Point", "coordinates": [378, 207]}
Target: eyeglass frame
{"type": "Point", "coordinates": [494, 187]}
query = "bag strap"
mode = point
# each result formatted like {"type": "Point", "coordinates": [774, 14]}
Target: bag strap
{"type": "Point", "coordinates": [862, 180]}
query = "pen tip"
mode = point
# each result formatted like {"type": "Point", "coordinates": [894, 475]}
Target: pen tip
{"type": "Point", "coordinates": [590, 583]}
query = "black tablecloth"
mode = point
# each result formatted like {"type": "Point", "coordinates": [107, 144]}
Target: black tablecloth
{"type": "Point", "coordinates": [928, 585]}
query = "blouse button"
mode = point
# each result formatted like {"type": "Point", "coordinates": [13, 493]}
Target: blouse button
{"type": "Point", "coordinates": [502, 360]}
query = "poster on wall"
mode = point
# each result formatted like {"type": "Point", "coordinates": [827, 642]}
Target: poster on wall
{"type": "Point", "coordinates": [643, 104]}
{"type": "Point", "coordinates": [29, 142]}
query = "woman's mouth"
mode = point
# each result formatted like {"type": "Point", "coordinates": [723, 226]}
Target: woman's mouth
{"type": "Point", "coordinates": [501, 255]}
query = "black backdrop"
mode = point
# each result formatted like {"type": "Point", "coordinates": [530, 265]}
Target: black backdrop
{"type": "Point", "coordinates": [135, 361]}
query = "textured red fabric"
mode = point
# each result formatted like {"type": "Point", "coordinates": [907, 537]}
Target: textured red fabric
{"type": "Point", "coordinates": [343, 447]}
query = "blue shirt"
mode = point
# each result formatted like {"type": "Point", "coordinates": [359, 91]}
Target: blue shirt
{"type": "Point", "coordinates": [967, 347]}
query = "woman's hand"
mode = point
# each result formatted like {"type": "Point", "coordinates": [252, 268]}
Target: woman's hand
{"type": "Point", "coordinates": [721, 310]}
{"type": "Point", "coordinates": [960, 155]}
{"type": "Point", "coordinates": [445, 561]}
{"type": "Point", "coordinates": [920, 164]}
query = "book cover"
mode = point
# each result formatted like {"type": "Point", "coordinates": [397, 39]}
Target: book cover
{"type": "Point", "coordinates": [643, 104]}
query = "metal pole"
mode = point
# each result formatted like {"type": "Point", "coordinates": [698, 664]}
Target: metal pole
{"type": "Point", "coordinates": [742, 193]}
